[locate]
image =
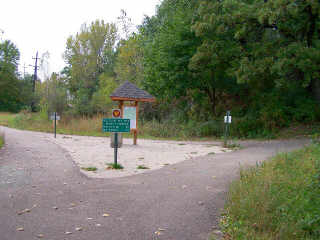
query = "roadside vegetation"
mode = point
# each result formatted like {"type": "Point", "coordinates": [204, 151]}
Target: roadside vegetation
{"type": "Point", "coordinates": [142, 167]}
{"type": "Point", "coordinates": [89, 169]}
{"type": "Point", "coordinates": [6, 119]}
{"type": "Point", "coordinates": [277, 199]}
{"type": "Point", "coordinates": [199, 59]}
{"type": "Point", "coordinates": [1, 140]}
{"type": "Point", "coordinates": [92, 126]}
{"type": "Point", "coordinates": [117, 166]}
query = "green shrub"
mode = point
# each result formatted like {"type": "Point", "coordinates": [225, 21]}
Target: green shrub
{"type": "Point", "coordinates": [306, 110]}
{"type": "Point", "coordinates": [211, 128]}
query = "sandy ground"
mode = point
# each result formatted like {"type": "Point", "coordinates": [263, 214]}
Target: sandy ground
{"type": "Point", "coordinates": [152, 154]}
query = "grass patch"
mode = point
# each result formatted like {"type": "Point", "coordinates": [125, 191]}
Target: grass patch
{"type": "Point", "coordinates": [232, 146]}
{"type": "Point", "coordinates": [6, 119]}
{"type": "Point", "coordinates": [114, 166]}
{"type": "Point", "coordinates": [89, 169]}
{"type": "Point", "coordinates": [1, 140]}
{"type": "Point", "coordinates": [211, 153]}
{"type": "Point", "coordinates": [142, 167]}
{"type": "Point", "coordinates": [83, 126]}
{"type": "Point", "coordinates": [277, 199]}
{"type": "Point", "coordinates": [92, 126]}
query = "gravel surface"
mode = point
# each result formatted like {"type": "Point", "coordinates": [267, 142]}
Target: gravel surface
{"type": "Point", "coordinates": [43, 195]}
{"type": "Point", "coordinates": [88, 152]}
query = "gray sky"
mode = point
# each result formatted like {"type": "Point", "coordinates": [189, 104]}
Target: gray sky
{"type": "Point", "coordinates": [45, 25]}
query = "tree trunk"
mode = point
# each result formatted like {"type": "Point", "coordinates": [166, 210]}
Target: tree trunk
{"type": "Point", "coordinates": [213, 101]}
{"type": "Point", "coordinates": [315, 88]}
{"type": "Point", "coordinates": [211, 92]}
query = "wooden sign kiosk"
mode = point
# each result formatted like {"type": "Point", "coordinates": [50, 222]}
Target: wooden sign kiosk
{"type": "Point", "coordinates": [128, 92]}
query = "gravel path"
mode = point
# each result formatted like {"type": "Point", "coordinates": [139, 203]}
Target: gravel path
{"type": "Point", "coordinates": [44, 195]}
{"type": "Point", "coordinates": [88, 152]}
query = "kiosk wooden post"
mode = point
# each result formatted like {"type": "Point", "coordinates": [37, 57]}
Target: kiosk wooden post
{"type": "Point", "coordinates": [121, 107]}
{"type": "Point", "coordinates": [135, 131]}
{"type": "Point", "coordinates": [131, 93]}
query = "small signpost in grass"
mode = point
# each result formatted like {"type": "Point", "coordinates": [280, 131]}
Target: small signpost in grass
{"type": "Point", "coordinates": [115, 125]}
{"type": "Point", "coordinates": [227, 121]}
{"type": "Point", "coordinates": [55, 117]}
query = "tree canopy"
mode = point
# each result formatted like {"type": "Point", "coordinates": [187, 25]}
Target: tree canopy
{"type": "Point", "coordinates": [9, 83]}
{"type": "Point", "coordinates": [258, 58]}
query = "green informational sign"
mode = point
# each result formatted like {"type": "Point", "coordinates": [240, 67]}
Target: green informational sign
{"type": "Point", "coordinates": [115, 125]}
{"type": "Point", "coordinates": [131, 113]}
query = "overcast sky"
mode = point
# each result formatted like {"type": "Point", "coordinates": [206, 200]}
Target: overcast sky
{"type": "Point", "coordinates": [45, 25]}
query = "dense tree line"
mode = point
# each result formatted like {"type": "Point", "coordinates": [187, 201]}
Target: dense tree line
{"type": "Point", "coordinates": [258, 58]}
{"type": "Point", "coordinates": [15, 91]}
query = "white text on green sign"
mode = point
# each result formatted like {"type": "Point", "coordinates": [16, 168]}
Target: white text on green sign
{"type": "Point", "coordinates": [115, 125]}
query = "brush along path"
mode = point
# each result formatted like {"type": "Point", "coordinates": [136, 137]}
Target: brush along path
{"type": "Point", "coordinates": [180, 201]}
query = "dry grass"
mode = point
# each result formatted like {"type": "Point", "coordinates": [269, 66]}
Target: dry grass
{"type": "Point", "coordinates": [91, 126]}
{"type": "Point", "coordinates": [85, 126]}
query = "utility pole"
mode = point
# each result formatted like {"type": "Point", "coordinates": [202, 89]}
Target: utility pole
{"type": "Point", "coordinates": [35, 78]}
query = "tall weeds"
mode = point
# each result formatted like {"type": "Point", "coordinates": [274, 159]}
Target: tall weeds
{"type": "Point", "coordinates": [278, 199]}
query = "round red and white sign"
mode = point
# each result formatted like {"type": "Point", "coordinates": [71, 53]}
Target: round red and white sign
{"type": "Point", "coordinates": [116, 113]}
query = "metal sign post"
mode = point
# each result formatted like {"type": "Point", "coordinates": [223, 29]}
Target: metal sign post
{"type": "Point", "coordinates": [116, 125]}
{"type": "Point", "coordinates": [116, 149]}
{"type": "Point", "coordinates": [55, 125]}
{"type": "Point", "coordinates": [227, 121]}
{"type": "Point", "coordinates": [55, 117]}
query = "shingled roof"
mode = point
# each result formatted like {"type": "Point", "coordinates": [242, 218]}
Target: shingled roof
{"type": "Point", "coordinates": [130, 92]}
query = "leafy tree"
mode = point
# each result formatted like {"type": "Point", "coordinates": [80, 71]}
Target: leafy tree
{"type": "Point", "coordinates": [88, 55]}
{"type": "Point", "coordinates": [297, 24]}
{"type": "Point", "coordinates": [212, 62]}
{"type": "Point", "coordinates": [100, 100]}
{"type": "Point", "coordinates": [25, 86]}
{"type": "Point", "coordinates": [270, 45]}
{"type": "Point", "coordinates": [168, 47]}
{"type": "Point", "coordinates": [57, 96]}
{"type": "Point", "coordinates": [279, 42]}
{"type": "Point", "coordinates": [10, 99]}
{"type": "Point", "coordinates": [129, 63]}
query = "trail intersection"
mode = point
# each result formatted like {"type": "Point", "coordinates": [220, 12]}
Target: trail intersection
{"type": "Point", "coordinates": [44, 195]}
